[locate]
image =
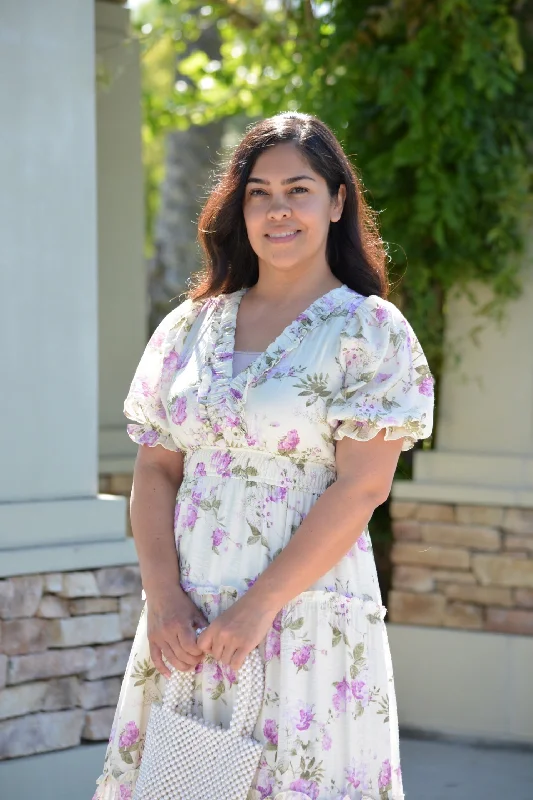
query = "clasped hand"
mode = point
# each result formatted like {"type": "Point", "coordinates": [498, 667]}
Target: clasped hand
{"type": "Point", "coordinates": [173, 620]}
{"type": "Point", "coordinates": [236, 632]}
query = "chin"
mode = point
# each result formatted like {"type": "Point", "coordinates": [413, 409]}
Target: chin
{"type": "Point", "coordinates": [285, 260]}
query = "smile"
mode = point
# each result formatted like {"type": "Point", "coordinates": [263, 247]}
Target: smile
{"type": "Point", "coordinates": [288, 236]}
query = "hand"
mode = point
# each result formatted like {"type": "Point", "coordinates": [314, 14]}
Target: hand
{"type": "Point", "coordinates": [172, 624]}
{"type": "Point", "coordinates": [235, 633]}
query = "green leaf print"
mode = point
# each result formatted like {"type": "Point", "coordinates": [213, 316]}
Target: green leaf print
{"type": "Point", "coordinates": [423, 370]}
{"type": "Point", "coordinates": [314, 386]}
{"type": "Point", "coordinates": [358, 660]}
{"type": "Point", "coordinates": [126, 757]}
{"type": "Point", "coordinates": [256, 536]}
{"type": "Point", "coordinates": [397, 337]}
{"type": "Point", "coordinates": [383, 703]}
{"type": "Point", "coordinates": [310, 771]}
{"type": "Point", "coordinates": [358, 651]}
{"type": "Point", "coordinates": [337, 636]}
{"type": "Point", "coordinates": [209, 505]}
{"type": "Point", "coordinates": [384, 792]}
{"type": "Point", "coordinates": [354, 671]}
{"type": "Point", "coordinates": [295, 625]}
{"type": "Point", "coordinates": [142, 671]}
{"type": "Point", "coordinates": [388, 404]}
{"type": "Point", "coordinates": [219, 691]}
{"type": "Point", "coordinates": [374, 618]}
{"type": "Point", "coordinates": [245, 472]}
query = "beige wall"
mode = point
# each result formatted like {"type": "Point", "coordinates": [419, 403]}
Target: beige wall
{"type": "Point", "coordinates": [462, 683]}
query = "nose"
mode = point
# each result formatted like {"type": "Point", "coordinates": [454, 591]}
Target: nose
{"type": "Point", "coordinates": [279, 209]}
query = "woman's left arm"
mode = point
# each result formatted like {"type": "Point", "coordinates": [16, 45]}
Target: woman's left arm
{"type": "Point", "coordinates": [365, 471]}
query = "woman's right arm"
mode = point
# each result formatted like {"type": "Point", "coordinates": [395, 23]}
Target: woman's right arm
{"type": "Point", "coordinates": [172, 616]}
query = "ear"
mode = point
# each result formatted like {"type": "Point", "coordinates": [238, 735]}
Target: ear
{"type": "Point", "coordinates": [338, 204]}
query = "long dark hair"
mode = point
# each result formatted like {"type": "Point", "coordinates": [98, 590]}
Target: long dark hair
{"type": "Point", "coordinates": [355, 252]}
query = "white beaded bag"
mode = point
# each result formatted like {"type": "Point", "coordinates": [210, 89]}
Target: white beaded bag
{"type": "Point", "coordinates": [187, 758]}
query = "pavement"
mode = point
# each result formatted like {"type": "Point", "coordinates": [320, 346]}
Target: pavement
{"type": "Point", "coordinates": [432, 770]}
{"type": "Point", "coordinates": [438, 770]}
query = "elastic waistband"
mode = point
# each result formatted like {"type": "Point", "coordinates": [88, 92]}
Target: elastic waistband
{"type": "Point", "coordinates": [261, 467]}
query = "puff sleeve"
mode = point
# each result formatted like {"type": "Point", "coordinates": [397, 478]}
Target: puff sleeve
{"type": "Point", "coordinates": [387, 382]}
{"type": "Point", "coordinates": [146, 399]}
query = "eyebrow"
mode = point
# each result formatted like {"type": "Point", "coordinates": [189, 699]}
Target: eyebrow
{"type": "Point", "coordinates": [284, 182]}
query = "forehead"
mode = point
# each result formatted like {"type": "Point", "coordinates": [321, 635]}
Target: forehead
{"type": "Point", "coordinates": [281, 161]}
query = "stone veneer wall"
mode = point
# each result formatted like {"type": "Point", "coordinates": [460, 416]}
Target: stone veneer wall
{"type": "Point", "coordinates": [462, 566]}
{"type": "Point", "coordinates": [65, 639]}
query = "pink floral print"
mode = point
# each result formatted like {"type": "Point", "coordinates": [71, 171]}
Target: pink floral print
{"type": "Point", "coordinates": [129, 735]}
{"type": "Point", "coordinates": [258, 451]}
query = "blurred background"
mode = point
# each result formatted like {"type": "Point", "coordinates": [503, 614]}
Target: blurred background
{"type": "Point", "coordinates": [116, 118]}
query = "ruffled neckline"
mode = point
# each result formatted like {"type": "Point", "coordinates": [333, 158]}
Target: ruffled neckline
{"type": "Point", "coordinates": [219, 391]}
{"type": "Point", "coordinates": [289, 337]}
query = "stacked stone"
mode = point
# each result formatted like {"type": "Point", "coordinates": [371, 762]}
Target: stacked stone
{"type": "Point", "coordinates": [462, 566]}
{"type": "Point", "coordinates": [65, 639]}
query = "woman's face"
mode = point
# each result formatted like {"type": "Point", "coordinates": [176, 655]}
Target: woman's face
{"type": "Point", "coordinates": [288, 210]}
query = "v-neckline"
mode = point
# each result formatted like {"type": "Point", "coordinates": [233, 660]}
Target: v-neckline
{"type": "Point", "coordinates": [225, 347]}
{"type": "Point", "coordinates": [219, 392]}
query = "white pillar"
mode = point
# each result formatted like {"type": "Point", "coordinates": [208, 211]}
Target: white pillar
{"type": "Point", "coordinates": [50, 515]}
{"type": "Point", "coordinates": [122, 302]}
{"type": "Point", "coordinates": [484, 445]}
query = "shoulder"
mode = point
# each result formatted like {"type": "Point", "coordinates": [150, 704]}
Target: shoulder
{"type": "Point", "coordinates": [372, 318]}
{"type": "Point", "coordinates": [186, 313]}
{"type": "Point", "coordinates": [178, 322]}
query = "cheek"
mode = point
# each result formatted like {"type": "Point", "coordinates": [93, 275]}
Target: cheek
{"type": "Point", "coordinates": [316, 215]}
{"type": "Point", "coordinates": [253, 219]}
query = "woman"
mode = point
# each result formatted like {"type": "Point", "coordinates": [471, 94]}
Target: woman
{"type": "Point", "coordinates": [280, 394]}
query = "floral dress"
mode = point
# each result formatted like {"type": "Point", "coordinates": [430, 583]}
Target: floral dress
{"type": "Point", "coordinates": [259, 450]}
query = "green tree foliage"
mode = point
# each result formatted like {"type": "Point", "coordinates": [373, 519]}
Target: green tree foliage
{"type": "Point", "coordinates": [432, 99]}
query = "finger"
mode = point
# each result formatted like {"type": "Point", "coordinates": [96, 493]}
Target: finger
{"type": "Point", "coordinates": [221, 653]}
{"type": "Point", "coordinates": [176, 658]}
{"type": "Point", "coordinates": [159, 664]}
{"type": "Point", "coordinates": [176, 643]}
{"type": "Point", "coordinates": [238, 658]}
{"type": "Point", "coordinates": [183, 667]}
{"type": "Point", "coordinates": [205, 641]}
{"type": "Point", "coordinates": [189, 643]}
{"type": "Point", "coordinates": [173, 639]}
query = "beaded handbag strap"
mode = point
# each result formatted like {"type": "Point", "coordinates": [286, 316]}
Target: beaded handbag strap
{"type": "Point", "coordinates": [250, 688]}
{"type": "Point", "coordinates": [256, 693]}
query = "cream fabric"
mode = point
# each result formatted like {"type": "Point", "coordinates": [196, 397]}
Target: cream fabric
{"type": "Point", "coordinates": [259, 450]}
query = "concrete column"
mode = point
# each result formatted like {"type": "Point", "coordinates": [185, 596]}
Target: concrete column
{"type": "Point", "coordinates": [484, 451]}
{"type": "Point", "coordinates": [122, 295]}
{"type": "Point", "coordinates": [50, 514]}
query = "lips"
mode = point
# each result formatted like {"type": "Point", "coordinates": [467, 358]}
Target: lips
{"type": "Point", "coordinates": [282, 236]}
